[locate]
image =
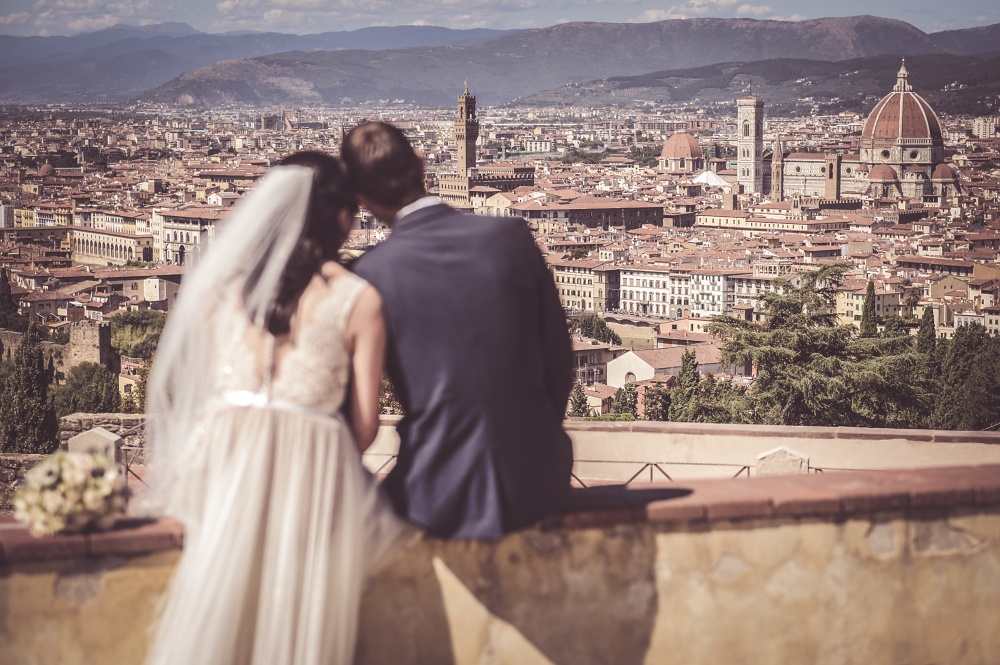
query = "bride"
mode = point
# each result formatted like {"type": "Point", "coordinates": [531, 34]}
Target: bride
{"type": "Point", "coordinates": [264, 393]}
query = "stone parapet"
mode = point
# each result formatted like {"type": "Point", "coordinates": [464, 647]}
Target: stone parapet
{"type": "Point", "coordinates": [117, 423]}
{"type": "Point", "coordinates": [856, 567]}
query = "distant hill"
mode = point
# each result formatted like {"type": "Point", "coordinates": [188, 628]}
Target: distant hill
{"type": "Point", "coordinates": [121, 61]}
{"type": "Point", "coordinates": [951, 83]}
{"type": "Point", "coordinates": [173, 63]}
{"type": "Point", "coordinates": [518, 65]}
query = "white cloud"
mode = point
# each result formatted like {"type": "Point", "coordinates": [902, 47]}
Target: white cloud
{"type": "Point", "coordinates": [711, 5]}
{"type": "Point", "coordinates": [17, 18]}
{"type": "Point", "coordinates": [91, 23]}
{"type": "Point", "coordinates": [753, 10]}
{"type": "Point", "coordinates": [316, 15]}
{"type": "Point", "coordinates": [696, 8]}
{"type": "Point", "coordinates": [651, 15]}
{"type": "Point", "coordinates": [793, 17]}
{"type": "Point", "coordinates": [72, 16]}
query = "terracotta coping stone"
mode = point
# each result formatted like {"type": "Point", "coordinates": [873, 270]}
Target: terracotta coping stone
{"type": "Point", "coordinates": [833, 496]}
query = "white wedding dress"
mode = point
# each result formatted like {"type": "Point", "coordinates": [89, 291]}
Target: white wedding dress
{"type": "Point", "coordinates": [283, 522]}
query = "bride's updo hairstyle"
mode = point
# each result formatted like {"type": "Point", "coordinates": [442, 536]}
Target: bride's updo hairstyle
{"type": "Point", "coordinates": [321, 237]}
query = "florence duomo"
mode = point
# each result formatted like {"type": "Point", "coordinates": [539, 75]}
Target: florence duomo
{"type": "Point", "coordinates": [901, 155]}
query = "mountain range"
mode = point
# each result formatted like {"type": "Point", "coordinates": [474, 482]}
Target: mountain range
{"type": "Point", "coordinates": [122, 61]}
{"type": "Point", "coordinates": [427, 65]}
{"type": "Point", "coordinates": [952, 84]}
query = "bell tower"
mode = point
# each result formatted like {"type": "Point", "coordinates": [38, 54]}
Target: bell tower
{"type": "Point", "coordinates": [466, 133]}
{"type": "Point", "coordinates": [750, 144]}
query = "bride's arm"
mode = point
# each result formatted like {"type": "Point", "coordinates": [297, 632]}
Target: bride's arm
{"type": "Point", "coordinates": [366, 339]}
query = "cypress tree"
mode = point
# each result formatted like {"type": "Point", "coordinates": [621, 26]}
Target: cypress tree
{"type": "Point", "coordinates": [656, 402]}
{"type": "Point", "coordinates": [868, 327]}
{"type": "Point", "coordinates": [578, 406]}
{"type": "Point", "coordinates": [685, 395]}
{"type": "Point", "coordinates": [7, 304]}
{"type": "Point", "coordinates": [626, 400]}
{"type": "Point", "coordinates": [27, 415]}
{"type": "Point", "coordinates": [926, 335]}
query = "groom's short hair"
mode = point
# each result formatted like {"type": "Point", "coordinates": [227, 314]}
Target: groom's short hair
{"type": "Point", "coordinates": [382, 164]}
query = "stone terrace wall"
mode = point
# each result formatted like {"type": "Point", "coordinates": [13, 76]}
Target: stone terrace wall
{"type": "Point", "coordinates": [827, 569]}
{"type": "Point", "coordinates": [77, 423]}
{"type": "Point", "coordinates": [12, 470]}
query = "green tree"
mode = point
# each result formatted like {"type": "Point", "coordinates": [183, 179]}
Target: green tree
{"type": "Point", "coordinates": [578, 406]}
{"type": "Point", "coordinates": [27, 415]}
{"type": "Point", "coordinates": [682, 397]}
{"type": "Point", "coordinates": [139, 390]}
{"type": "Point", "coordinates": [7, 305]}
{"type": "Point", "coordinates": [593, 326]}
{"type": "Point", "coordinates": [811, 371]}
{"type": "Point", "coordinates": [869, 326]}
{"type": "Point", "coordinates": [136, 333]}
{"type": "Point", "coordinates": [894, 326]}
{"type": "Point", "coordinates": [626, 400]}
{"type": "Point", "coordinates": [926, 335]}
{"type": "Point", "coordinates": [89, 388]}
{"type": "Point", "coordinates": [656, 402]}
{"type": "Point", "coordinates": [9, 317]}
{"type": "Point", "coordinates": [969, 381]}
{"type": "Point", "coordinates": [911, 298]}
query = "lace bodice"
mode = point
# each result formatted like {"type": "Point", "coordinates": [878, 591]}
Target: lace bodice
{"type": "Point", "coordinates": [312, 370]}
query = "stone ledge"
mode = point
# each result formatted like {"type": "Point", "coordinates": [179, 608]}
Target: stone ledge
{"type": "Point", "coordinates": [833, 497]}
{"type": "Point", "coordinates": [129, 537]}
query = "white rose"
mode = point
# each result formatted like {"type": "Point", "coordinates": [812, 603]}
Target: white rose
{"type": "Point", "coordinates": [93, 500]}
{"type": "Point", "coordinates": [46, 474]}
{"type": "Point", "coordinates": [72, 497]}
{"type": "Point", "coordinates": [73, 471]}
{"type": "Point", "coordinates": [52, 501]}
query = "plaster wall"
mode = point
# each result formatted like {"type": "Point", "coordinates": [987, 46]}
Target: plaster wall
{"type": "Point", "coordinates": [884, 588]}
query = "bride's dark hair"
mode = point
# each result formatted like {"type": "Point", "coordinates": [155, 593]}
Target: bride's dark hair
{"type": "Point", "coordinates": [321, 238]}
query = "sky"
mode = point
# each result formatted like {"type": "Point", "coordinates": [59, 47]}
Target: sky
{"type": "Point", "coordinates": [66, 17]}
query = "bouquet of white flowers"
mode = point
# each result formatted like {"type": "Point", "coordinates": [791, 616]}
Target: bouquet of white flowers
{"type": "Point", "coordinates": [70, 492]}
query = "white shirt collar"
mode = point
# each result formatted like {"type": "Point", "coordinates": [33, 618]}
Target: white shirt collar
{"type": "Point", "coordinates": [419, 204]}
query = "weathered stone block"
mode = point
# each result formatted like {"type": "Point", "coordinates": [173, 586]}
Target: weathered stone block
{"type": "Point", "coordinates": [97, 440]}
{"type": "Point", "coordinates": [781, 461]}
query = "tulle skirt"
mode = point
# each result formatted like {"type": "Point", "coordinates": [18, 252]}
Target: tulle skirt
{"type": "Point", "coordinates": [283, 524]}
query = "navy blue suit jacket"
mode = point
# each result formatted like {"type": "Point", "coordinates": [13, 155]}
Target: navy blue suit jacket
{"type": "Point", "coordinates": [481, 360]}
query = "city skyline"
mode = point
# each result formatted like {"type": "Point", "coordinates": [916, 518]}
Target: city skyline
{"type": "Point", "coordinates": [67, 17]}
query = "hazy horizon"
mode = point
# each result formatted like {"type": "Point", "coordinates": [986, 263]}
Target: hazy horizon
{"type": "Point", "coordinates": [68, 17]}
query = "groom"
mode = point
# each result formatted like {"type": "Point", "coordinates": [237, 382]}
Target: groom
{"type": "Point", "coordinates": [478, 352]}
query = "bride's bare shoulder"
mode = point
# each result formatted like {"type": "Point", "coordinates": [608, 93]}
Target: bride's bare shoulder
{"type": "Point", "coordinates": [330, 270]}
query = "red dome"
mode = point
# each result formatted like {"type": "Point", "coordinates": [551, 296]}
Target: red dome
{"type": "Point", "coordinates": [682, 146]}
{"type": "Point", "coordinates": [882, 172]}
{"type": "Point", "coordinates": [943, 172]}
{"type": "Point", "coordinates": [902, 114]}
